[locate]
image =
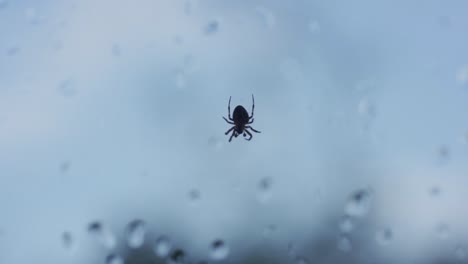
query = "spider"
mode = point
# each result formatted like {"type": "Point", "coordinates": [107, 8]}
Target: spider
{"type": "Point", "coordinates": [240, 120]}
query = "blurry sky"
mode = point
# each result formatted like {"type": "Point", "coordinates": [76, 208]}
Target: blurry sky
{"type": "Point", "coordinates": [112, 111]}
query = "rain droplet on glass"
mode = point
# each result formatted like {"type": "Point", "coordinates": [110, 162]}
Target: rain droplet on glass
{"type": "Point", "coordinates": [114, 259]}
{"type": "Point", "coordinates": [314, 27]}
{"type": "Point", "coordinates": [67, 240]}
{"type": "Point", "coordinates": [344, 243]}
{"type": "Point", "coordinates": [460, 252]}
{"type": "Point", "coordinates": [359, 203]}
{"type": "Point", "coordinates": [346, 224]}
{"type": "Point", "coordinates": [177, 256]}
{"type": "Point", "coordinates": [102, 234]}
{"type": "Point", "coordinates": [301, 260]}
{"type": "Point", "coordinates": [462, 75]}
{"type": "Point", "coordinates": [366, 108]}
{"type": "Point", "coordinates": [13, 50]}
{"type": "Point", "coordinates": [194, 194]}
{"type": "Point", "coordinates": [32, 16]}
{"type": "Point", "coordinates": [65, 166]}
{"type": "Point", "coordinates": [219, 250]}
{"type": "Point", "coordinates": [180, 79]}
{"type": "Point", "coordinates": [443, 154]}
{"type": "Point", "coordinates": [292, 249]}
{"type": "Point", "coordinates": [116, 51]}
{"type": "Point", "coordinates": [162, 246]}
{"type": "Point", "coordinates": [269, 230]}
{"type": "Point", "coordinates": [67, 88]}
{"type": "Point", "coordinates": [442, 230]}
{"type": "Point", "coordinates": [384, 236]}
{"type": "Point", "coordinates": [435, 191]}
{"type": "Point", "coordinates": [264, 189]}
{"type": "Point", "coordinates": [267, 16]}
{"type": "Point", "coordinates": [135, 233]}
{"type": "Point", "coordinates": [211, 27]}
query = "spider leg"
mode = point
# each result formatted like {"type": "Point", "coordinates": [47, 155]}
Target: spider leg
{"type": "Point", "coordinates": [229, 109]}
{"type": "Point", "coordinates": [227, 132]}
{"type": "Point", "coordinates": [253, 106]}
{"type": "Point", "coordinates": [256, 131]}
{"type": "Point", "coordinates": [229, 122]}
{"type": "Point", "coordinates": [248, 139]}
{"type": "Point", "coordinates": [230, 138]}
{"type": "Point", "coordinates": [251, 121]}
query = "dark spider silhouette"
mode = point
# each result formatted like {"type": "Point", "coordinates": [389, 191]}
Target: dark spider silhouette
{"type": "Point", "coordinates": [240, 120]}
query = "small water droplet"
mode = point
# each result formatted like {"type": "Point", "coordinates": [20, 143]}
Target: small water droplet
{"type": "Point", "coordinates": [462, 75]}
{"type": "Point", "coordinates": [443, 154]}
{"type": "Point", "coordinates": [314, 27]}
{"type": "Point", "coordinates": [344, 243]}
{"type": "Point", "coordinates": [102, 234]}
{"type": "Point", "coordinates": [346, 224]}
{"type": "Point", "coordinates": [67, 240]}
{"type": "Point", "coordinates": [116, 51]}
{"type": "Point", "coordinates": [359, 203]}
{"type": "Point", "coordinates": [162, 246]}
{"type": "Point", "coordinates": [136, 233]}
{"type": "Point", "coordinates": [460, 252]}
{"type": "Point", "coordinates": [219, 250]}
{"type": "Point", "coordinates": [178, 256]}
{"type": "Point", "coordinates": [65, 166]}
{"type": "Point", "coordinates": [301, 260]}
{"type": "Point", "coordinates": [67, 88]}
{"type": "Point", "coordinates": [267, 16]}
{"type": "Point", "coordinates": [366, 108]}
{"type": "Point", "coordinates": [114, 259]}
{"type": "Point", "coordinates": [13, 50]}
{"type": "Point", "coordinates": [194, 194]}
{"type": "Point", "coordinates": [384, 236]}
{"type": "Point", "coordinates": [211, 27]}
{"type": "Point", "coordinates": [442, 230]}
{"type": "Point", "coordinates": [264, 189]}
{"type": "Point", "coordinates": [3, 3]}
{"type": "Point", "coordinates": [435, 191]}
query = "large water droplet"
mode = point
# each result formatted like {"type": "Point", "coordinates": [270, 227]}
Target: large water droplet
{"type": "Point", "coordinates": [136, 233]}
{"type": "Point", "coordinates": [346, 224]}
{"type": "Point", "coordinates": [219, 250]}
{"type": "Point", "coordinates": [344, 243]}
{"type": "Point", "coordinates": [102, 234]}
{"type": "Point", "coordinates": [177, 256]}
{"type": "Point", "coordinates": [114, 259]}
{"type": "Point", "coordinates": [162, 246]}
{"type": "Point", "coordinates": [359, 203]}
{"type": "Point", "coordinates": [211, 27]}
{"type": "Point", "coordinates": [264, 189]}
{"type": "Point", "coordinates": [384, 236]}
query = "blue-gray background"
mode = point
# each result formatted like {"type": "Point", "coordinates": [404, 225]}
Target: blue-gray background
{"type": "Point", "coordinates": [111, 111]}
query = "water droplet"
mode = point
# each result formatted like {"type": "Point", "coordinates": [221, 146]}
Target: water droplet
{"type": "Point", "coordinates": [178, 256]}
{"type": "Point", "coordinates": [344, 243]}
{"type": "Point", "coordinates": [114, 259]}
{"type": "Point", "coordinates": [292, 249]}
{"type": "Point", "coordinates": [359, 203]}
{"type": "Point", "coordinates": [267, 16]}
{"type": "Point", "coordinates": [102, 234]}
{"type": "Point", "coordinates": [67, 88]}
{"type": "Point", "coordinates": [462, 75]}
{"type": "Point", "coordinates": [219, 250]}
{"type": "Point", "coordinates": [57, 45]}
{"type": "Point", "coordinates": [460, 252]}
{"type": "Point", "coordinates": [67, 240]}
{"type": "Point", "coordinates": [444, 21]}
{"type": "Point", "coordinates": [13, 50]}
{"type": "Point", "coordinates": [32, 16]}
{"type": "Point", "coordinates": [64, 166]}
{"type": "Point", "coordinates": [264, 189]}
{"type": "Point", "coordinates": [194, 195]}
{"type": "Point", "coordinates": [346, 224]}
{"type": "Point", "coordinates": [442, 230]}
{"type": "Point", "coordinates": [301, 260]}
{"type": "Point", "coordinates": [269, 230]}
{"type": "Point", "coordinates": [384, 236]}
{"type": "Point", "coordinates": [211, 27]}
{"type": "Point", "coordinates": [162, 246]}
{"type": "Point", "coordinates": [136, 233]}
{"type": "Point", "coordinates": [180, 79]}
{"type": "Point", "coordinates": [314, 27]}
{"type": "Point", "coordinates": [366, 108]}
{"type": "Point", "coordinates": [435, 191]}
{"type": "Point", "coordinates": [116, 51]}
{"type": "Point", "coordinates": [3, 3]}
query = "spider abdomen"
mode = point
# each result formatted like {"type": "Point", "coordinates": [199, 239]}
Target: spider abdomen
{"type": "Point", "coordinates": [240, 115]}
